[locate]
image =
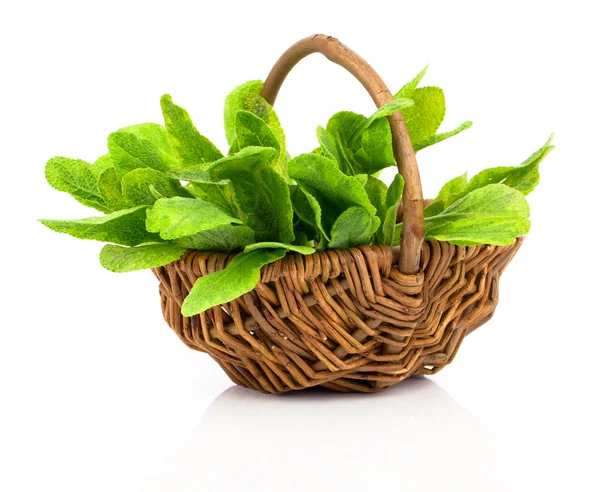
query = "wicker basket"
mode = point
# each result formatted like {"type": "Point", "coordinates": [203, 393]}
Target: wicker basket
{"type": "Point", "coordinates": [360, 319]}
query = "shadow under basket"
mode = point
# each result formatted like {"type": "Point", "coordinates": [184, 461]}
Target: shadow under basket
{"type": "Point", "coordinates": [347, 320]}
{"type": "Point", "coordinates": [360, 319]}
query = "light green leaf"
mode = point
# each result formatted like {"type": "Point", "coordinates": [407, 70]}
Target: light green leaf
{"type": "Point", "coordinates": [305, 250]}
{"type": "Point", "coordinates": [377, 191]}
{"type": "Point", "coordinates": [363, 179]}
{"type": "Point", "coordinates": [307, 209]}
{"type": "Point", "coordinates": [527, 176]}
{"type": "Point", "coordinates": [102, 164]}
{"type": "Point", "coordinates": [136, 187]}
{"type": "Point", "coordinates": [227, 237]}
{"type": "Point", "coordinates": [426, 115]}
{"type": "Point", "coordinates": [409, 88]}
{"type": "Point", "coordinates": [246, 97]}
{"type": "Point", "coordinates": [77, 178]}
{"type": "Point", "coordinates": [495, 214]}
{"type": "Point", "coordinates": [334, 191]}
{"type": "Point", "coordinates": [375, 151]}
{"type": "Point", "coordinates": [354, 226]}
{"type": "Point", "coordinates": [261, 192]}
{"type": "Point", "coordinates": [177, 217]}
{"type": "Point", "coordinates": [439, 137]}
{"type": "Point", "coordinates": [219, 193]}
{"type": "Point", "coordinates": [327, 144]}
{"type": "Point", "coordinates": [191, 147]}
{"type": "Point", "coordinates": [385, 110]}
{"type": "Point", "coordinates": [157, 134]}
{"type": "Point", "coordinates": [341, 127]}
{"type": "Point", "coordinates": [129, 152]}
{"type": "Point", "coordinates": [126, 227]}
{"type": "Point", "coordinates": [394, 193]}
{"type": "Point", "coordinates": [240, 276]}
{"type": "Point", "coordinates": [523, 178]}
{"type": "Point", "coordinates": [450, 192]}
{"type": "Point", "coordinates": [252, 131]}
{"type": "Point", "coordinates": [120, 259]}
{"type": "Point", "coordinates": [109, 185]}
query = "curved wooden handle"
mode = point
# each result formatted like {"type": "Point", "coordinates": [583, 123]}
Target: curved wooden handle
{"type": "Point", "coordinates": [412, 199]}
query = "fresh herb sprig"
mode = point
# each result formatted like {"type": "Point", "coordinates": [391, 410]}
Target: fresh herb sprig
{"type": "Point", "coordinates": [166, 189]}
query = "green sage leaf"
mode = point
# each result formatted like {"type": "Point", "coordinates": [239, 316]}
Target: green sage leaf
{"type": "Point", "coordinates": [177, 217]}
{"type": "Point", "coordinates": [121, 259]}
{"type": "Point", "coordinates": [126, 227]}
{"type": "Point", "coordinates": [261, 192]}
{"type": "Point", "coordinates": [191, 147]}
{"type": "Point", "coordinates": [239, 277]}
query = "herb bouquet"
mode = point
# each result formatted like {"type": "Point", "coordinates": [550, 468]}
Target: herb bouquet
{"type": "Point", "coordinates": [306, 271]}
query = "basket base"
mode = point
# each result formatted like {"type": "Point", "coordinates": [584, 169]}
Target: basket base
{"type": "Point", "coordinates": [345, 320]}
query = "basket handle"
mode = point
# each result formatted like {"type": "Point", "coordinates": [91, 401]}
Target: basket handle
{"type": "Point", "coordinates": [412, 199]}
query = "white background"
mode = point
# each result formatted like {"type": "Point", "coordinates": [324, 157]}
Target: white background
{"type": "Point", "coordinates": [97, 394]}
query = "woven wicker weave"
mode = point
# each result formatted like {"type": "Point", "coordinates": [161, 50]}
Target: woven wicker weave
{"type": "Point", "coordinates": [360, 319]}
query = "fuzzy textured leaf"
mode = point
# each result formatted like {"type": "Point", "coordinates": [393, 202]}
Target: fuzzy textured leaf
{"type": "Point", "coordinates": [121, 259]}
{"type": "Point", "coordinates": [239, 277]}
{"type": "Point", "coordinates": [77, 178]}
{"type": "Point", "coordinates": [388, 227]}
{"type": "Point", "coordinates": [375, 151]}
{"type": "Point", "coordinates": [253, 131]}
{"type": "Point", "coordinates": [354, 226]}
{"type": "Point", "coordinates": [136, 187]}
{"type": "Point", "coordinates": [227, 237]}
{"type": "Point", "coordinates": [377, 191]}
{"type": "Point", "coordinates": [409, 88]}
{"type": "Point", "coordinates": [246, 97]}
{"type": "Point", "coordinates": [154, 132]}
{"type": "Point", "coordinates": [334, 191]}
{"type": "Point", "coordinates": [261, 192]}
{"type": "Point", "coordinates": [177, 217]}
{"type": "Point", "coordinates": [440, 137]}
{"type": "Point", "coordinates": [191, 147]}
{"type": "Point", "coordinates": [426, 115]}
{"type": "Point", "coordinates": [126, 227]}
{"type": "Point", "coordinates": [523, 178]}
{"type": "Point", "coordinates": [109, 185]}
{"type": "Point", "coordinates": [495, 214]}
{"type": "Point", "coordinates": [129, 152]}
{"type": "Point", "coordinates": [394, 105]}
